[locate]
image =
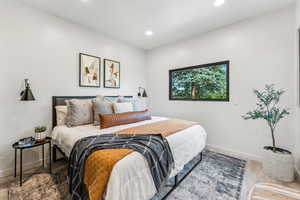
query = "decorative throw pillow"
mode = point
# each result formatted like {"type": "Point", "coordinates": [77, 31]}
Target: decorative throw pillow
{"type": "Point", "coordinates": [101, 106]}
{"type": "Point", "coordinates": [123, 107]}
{"type": "Point", "coordinates": [117, 119]}
{"type": "Point", "coordinates": [137, 103]}
{"type": "Point", "coordinates": [121, 99]}
{"type": "Point", "coordinates": [100, 97]}
{"type": "Point", "coordinates": [80, 112]}
{"type": "Point", "coordinates": [61, 114]}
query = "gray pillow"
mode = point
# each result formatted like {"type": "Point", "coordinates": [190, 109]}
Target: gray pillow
{"type": "Point", "coordinates": [101, 107]}
{"type": "Point", "coordinates": [80, 112]}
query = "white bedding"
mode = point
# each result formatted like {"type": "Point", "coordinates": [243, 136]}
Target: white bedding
{"type": "Point", "coordinates": [131, 177]}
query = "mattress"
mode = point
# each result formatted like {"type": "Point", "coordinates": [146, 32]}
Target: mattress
{"type": "Point", "coordinates": [131, 177]}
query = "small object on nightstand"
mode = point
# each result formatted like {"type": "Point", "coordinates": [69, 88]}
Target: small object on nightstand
{"type": "Point", "coordinates": [27, 143]}
{"type": "Point", "coordinates": [40, 133]}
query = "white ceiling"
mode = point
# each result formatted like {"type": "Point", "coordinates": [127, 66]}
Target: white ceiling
{"type": "Point", "coordinates": [170, 20]}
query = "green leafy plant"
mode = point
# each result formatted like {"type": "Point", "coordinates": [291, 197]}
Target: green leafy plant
{"type": "Point", "coordinates": [268, 109]}
{"type": "Point", "coordinates": [40, 129]}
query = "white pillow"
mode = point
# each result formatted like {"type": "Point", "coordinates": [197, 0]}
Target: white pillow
{"type": "Point", "coordinates": [139, 104]}
{"type": "Point", "coordinates": [61, 115]}
{"type": "Point", "coordinates": [123, 107]}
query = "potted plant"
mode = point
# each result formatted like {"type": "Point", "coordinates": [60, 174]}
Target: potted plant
{"type": "Point", "coordinates": [40, 133]}
{"type": "Point", "coordinates": [277, 162]}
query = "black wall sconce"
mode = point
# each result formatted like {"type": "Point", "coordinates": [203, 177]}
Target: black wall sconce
{"type": "Point", "coordinates": [142, 92]}
{"type": "Point", "coordinates": [26, 95]}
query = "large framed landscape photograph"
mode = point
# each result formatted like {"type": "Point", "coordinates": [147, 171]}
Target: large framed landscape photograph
{"type": "Point", "coordinates": [208, 82]}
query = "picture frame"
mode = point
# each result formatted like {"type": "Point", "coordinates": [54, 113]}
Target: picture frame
{"type": "Point", "coordinates": [89, 71]}
{"type": "Point", "coordinates": [112, 74]}
{"type": "Point", "coordinates": [186, 84]}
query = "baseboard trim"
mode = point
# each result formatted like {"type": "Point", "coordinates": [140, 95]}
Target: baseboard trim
{"type": "Point", "coordinates": [234, 153]}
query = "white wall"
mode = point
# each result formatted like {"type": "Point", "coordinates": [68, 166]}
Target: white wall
{"type": "Point", "coordinates": [298, 14]}
{"type": "Point", "coordinates": [45, 49]}
{"type": "Point", "coordinates": [297, 108]}
{"type": "Point", "coordinates": [261, 50]}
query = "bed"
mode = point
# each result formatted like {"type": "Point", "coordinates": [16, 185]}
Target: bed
{"type": "Point", "coordinates": [131, 177]}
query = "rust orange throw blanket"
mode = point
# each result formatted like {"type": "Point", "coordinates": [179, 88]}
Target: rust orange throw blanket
{"type": "Point", "coordinates": [96, 177]}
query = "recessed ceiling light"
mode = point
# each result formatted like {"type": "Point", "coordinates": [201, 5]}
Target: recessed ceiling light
{"type": "Point", "coordinates": [219, 3]}
{"type": "Point", "coordinates": [84, 1]}
{"type": "Point", "coordinates": [148, 33]}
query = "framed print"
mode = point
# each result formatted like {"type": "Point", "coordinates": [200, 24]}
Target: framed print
{"type": "Point", "coordinates": [111, 74]}
{"type": "Point", "coordinates": [89, 70]}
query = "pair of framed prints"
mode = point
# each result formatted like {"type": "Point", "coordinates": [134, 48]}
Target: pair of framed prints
{"type": "Point", "coordinates": [90, 72]}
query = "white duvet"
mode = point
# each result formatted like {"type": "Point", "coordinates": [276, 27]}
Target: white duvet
{"type": "Point", "coordinates": [131, 177]}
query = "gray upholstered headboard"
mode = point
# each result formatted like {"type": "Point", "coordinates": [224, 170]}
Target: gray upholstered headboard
{"type": "Point", "coordinates": [60, 100]}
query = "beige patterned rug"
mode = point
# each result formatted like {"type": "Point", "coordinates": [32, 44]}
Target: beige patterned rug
{"type": "Point", "coordinates": [42, 186]}
{"type": "Point", "coordinates": [271, 191]}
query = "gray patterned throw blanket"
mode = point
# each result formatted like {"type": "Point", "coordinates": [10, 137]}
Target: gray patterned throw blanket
{"type": "Point", "coordinates": [154, 147]}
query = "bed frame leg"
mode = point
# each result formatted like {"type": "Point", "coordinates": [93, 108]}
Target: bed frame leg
{"type": "Point", "coordinates": [54, 153]}
{"type": "Point", "coordinates": [176, 180]}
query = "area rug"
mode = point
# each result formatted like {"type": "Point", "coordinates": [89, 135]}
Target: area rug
{"type": "Point", "coordinates": [42, 186]}
{"type": "Point", "coordinates": [217, 177]}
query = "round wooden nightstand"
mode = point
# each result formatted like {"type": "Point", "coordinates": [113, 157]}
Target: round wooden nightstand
{"type": "Point", "coordinates": [20, 147]}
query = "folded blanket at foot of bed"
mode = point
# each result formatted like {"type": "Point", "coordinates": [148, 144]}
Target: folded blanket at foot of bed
{"type": "Point", "coordinates": [154, 147]}
{"type": "Point", "coordinates": [96, 164]}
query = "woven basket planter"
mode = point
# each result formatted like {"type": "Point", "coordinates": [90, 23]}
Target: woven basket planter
{"type": "Point", "coordinates": [278, 165]}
